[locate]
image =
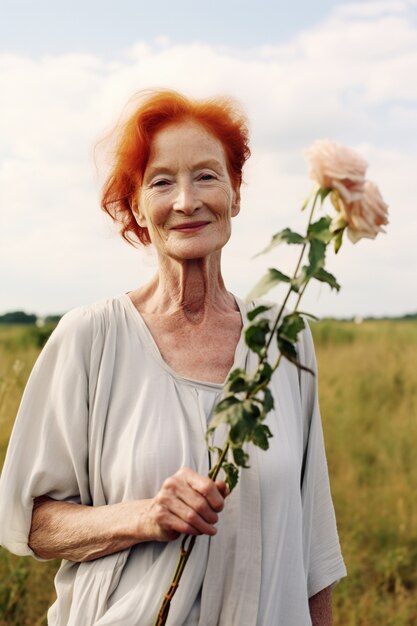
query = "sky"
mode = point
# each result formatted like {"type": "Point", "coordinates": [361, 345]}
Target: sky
{"type": "Point", "coordinates": [303, 71]}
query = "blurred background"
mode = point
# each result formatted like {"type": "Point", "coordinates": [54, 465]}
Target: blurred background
{"type": "Point", "coordinates": [304, 70]}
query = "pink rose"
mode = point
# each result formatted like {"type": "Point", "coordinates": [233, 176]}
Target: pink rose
{"type": "Point", "coordinates": [334, 166]}
{"type": "Point", "coordinates": [365, 217]}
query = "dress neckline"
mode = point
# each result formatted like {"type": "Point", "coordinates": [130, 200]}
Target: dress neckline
{"type": "Point", "coordinates": [241, 351]}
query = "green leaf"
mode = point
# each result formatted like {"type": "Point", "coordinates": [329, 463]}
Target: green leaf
{"type": "Point", "coordinates": [284, 236]}
{"type": "Point", "coordinates": [290, 326]}
{"type": "Point", "coordinates": [236, 381]}
{"type": "Point", "coordinates": [268, 401]}
{"type": "Point", "coordinates": [309, 315]}
{"type": "Point", "coordinates": [241, 428]}
{"type": "Point", "coordinates": [272, 278]}
{"type": "Point", "coordinates": [255, 335]}
{"type": "Point", "coordinates": [264, 375]}
{"type": "Point", "coordinates": [238, 432]}
{"type": "Point", "coordinates": [325, 277]}
{"type": "Point", "coordinates": [287, 335]}
{"type": "Point", "coordinates": [321, 230]}
{"type": "Point", "coordinates": [232, 475]}
{"type": "Point", "coordinates": [287, 349]}
{"type": "Point", "coordinates": [238, 371]}
{"type": "Point", "coordinates": [251, 412]}
{"type": "Point", "coordinates": [260, 436]}
{"type": "Point", "coordinates": [238, 385]}
{"type": "Point", "coordinates": [316, 255]}
{"type": "Point", "coordinates": [257, 311]}
{"type": "Point", "coordinates": [226, 403]}
{"type": "Point", "coordinates": [240, 457]}
{"type": "Point", "coordinates": [231, 415]}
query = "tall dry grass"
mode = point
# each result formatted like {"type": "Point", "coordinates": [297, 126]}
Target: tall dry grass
{"type": "Point", "coordinates": [26, 586]}
{"type": "Point", "coordinates": [368, 395]}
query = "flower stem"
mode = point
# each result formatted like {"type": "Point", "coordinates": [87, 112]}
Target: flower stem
{"type": "Point", "coordinates": [290, 289]}
{"type": "Point", "coordinates": [214, 472]}
{"type": "Point", "coordinates": [182, 561]}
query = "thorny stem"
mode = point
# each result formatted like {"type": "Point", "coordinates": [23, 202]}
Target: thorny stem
{"type": "Point", "coordinates": [182, 561]}
{"type": "Point", "coordinates": [186, 551]}
{"type": "Point", "coordinates": [300, 295]}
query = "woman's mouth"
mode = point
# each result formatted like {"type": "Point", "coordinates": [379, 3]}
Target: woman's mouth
{"type": "Point", "coordinates": [190, 227]}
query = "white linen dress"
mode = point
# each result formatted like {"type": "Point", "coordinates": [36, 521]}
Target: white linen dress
{"type": "Point", "coordinates": [104, 419]}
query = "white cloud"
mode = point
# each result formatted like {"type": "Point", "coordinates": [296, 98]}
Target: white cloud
{"type": "Point", "coordinates": [350, 78]}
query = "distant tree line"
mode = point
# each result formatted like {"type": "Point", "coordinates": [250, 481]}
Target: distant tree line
{"type": "Point", "coordinates": [20, 317]}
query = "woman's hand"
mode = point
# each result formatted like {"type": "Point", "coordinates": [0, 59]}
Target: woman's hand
{"type": "Point", "coordinates": [187, 503]}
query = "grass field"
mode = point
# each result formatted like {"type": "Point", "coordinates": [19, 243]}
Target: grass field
{"type": "Point", "coordinates": [368, 395]}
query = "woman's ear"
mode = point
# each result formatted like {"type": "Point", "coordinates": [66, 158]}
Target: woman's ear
{"type": "Point", "coordinates": [236, 202]}
{"type": "Point", "coordinates": [137, 213]}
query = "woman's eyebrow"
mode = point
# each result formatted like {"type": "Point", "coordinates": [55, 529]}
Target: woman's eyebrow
{"type": "Point", "coordinates": [213, 163]}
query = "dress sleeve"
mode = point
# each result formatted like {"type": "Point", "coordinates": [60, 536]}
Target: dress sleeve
{"type": "Point", "coordinates": [323, 560]}
{"type": "Point", "coordinates": [47, 453]}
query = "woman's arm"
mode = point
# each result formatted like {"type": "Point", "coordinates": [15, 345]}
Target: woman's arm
{"type": "Point", "coordinates": [186, 503]}
{"type": "Point", "coordinates": [321, 608]}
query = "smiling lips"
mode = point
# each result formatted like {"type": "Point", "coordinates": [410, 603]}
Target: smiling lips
{"type": "Point", "coordinates": [189, 227]}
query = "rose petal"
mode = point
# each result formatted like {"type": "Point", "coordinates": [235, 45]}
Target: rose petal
{"type": "Point", "coordinates": [335, 166]}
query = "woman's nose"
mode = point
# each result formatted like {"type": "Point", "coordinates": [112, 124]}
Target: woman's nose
{"type": "Point", "coordinates": [186, 199]}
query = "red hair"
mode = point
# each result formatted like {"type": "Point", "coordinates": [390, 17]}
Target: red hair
{"type": "Point", "coordinates": [221, 117]}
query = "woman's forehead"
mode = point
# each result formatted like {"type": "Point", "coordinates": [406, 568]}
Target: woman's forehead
{"type": "Point", "coordinates": [186, 139]}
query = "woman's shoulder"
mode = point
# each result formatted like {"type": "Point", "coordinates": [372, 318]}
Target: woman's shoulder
{"type": "Point", "coordinates": [84, 322]}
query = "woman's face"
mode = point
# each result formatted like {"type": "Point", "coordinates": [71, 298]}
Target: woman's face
{"type": "Point", "coordinates": [187, 199]}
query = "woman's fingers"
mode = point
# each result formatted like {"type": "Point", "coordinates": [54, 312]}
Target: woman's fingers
{"type": "Point", "coordinates": [205, 487]}
{"type": "Point", "coordinates": [222, 487]}
{"type": "Point", "coordinates": [188, 503]}
{"type": "Point", "coordinates": [188, 520]}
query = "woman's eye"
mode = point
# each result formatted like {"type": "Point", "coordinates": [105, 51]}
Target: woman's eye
{"type": "Point", "coordinates": [207, 177]}
{"type": "Point", "coordinates": [160, 183]}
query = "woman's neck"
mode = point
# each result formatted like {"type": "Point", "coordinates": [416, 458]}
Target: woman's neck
{"type": "Point", "coordinates": [188, 289]}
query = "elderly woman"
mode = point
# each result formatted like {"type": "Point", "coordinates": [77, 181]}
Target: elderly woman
{"type": "Point", "coordinates": [107, 465]}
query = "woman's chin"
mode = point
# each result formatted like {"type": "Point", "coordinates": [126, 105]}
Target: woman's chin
{"type": "Point", "coordinates": [191, 250]}
{"type": "Point", "coordinates": [193, 255]}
